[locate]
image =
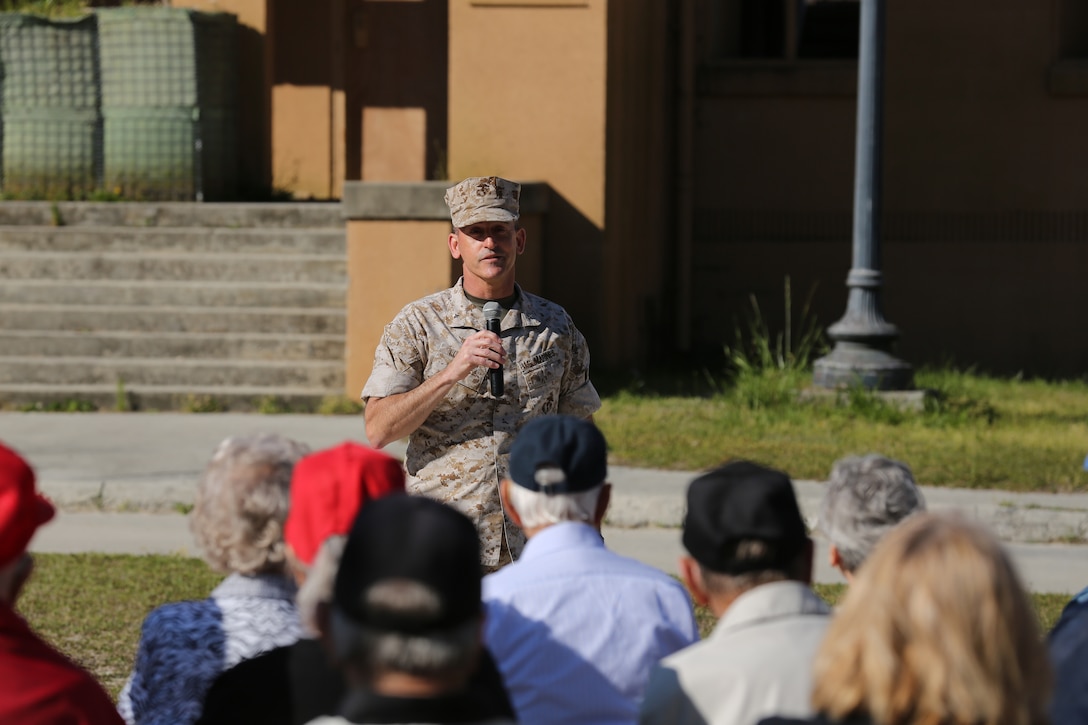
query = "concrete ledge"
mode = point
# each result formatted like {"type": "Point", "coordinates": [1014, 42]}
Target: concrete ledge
{"type": "Point", "coordinates": [421, 200]}
{"type": "Point", "coordinates": [911, 401]}
{"type": "Point", "coordinates": [264, 215]}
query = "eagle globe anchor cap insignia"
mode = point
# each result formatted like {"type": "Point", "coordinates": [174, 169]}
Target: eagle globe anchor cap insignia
{"type": "Point", "coordinates": [483, 199]}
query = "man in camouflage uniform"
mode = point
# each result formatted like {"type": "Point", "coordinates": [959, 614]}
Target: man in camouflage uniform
{"type": "Point", "coordinates": [430, 376]}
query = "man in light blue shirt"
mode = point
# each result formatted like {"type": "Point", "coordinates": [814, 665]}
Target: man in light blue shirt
{"type": "Point", "coordinates": [575, 628]}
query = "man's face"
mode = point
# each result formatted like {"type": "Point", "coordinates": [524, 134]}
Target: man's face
{"type": "Point", "coordinates": [488, 251]}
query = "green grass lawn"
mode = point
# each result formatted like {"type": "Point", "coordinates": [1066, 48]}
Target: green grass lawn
{"type": "Point", "coordinates": [975, 431]}
{"type": "Point", "coordinates": [91, 606]}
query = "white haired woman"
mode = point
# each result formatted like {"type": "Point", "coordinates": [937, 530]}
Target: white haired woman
{"type": "Point", "coordinates": [237, 523]}
{"type": "Point", "coordinates": [936, 629]}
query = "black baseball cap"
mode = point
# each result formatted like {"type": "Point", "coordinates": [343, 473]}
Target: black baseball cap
{"type": "Point", "coordinates": [571, 451]}
{"type": "Point", "coordinates": [414, 539]}
{"type": "Point", "coordinates": [743, 501]}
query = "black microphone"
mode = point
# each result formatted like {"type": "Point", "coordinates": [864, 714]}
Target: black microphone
{"type": "Point", "coordinates": [493, 315]}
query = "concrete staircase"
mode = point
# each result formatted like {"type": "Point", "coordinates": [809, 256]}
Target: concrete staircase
{"type": "Point", "coordinates": [171, 306]}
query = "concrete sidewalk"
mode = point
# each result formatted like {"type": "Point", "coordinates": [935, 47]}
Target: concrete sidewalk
{"type": "Point", "coordinates": [151, 462]}
{"type": "Point", "coordinates": [1058, 568]}
{"type": "Point", "coordinates": [121, 479]}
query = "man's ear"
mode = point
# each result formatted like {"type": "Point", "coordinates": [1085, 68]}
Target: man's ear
{"type": "Point", "coordinates": [519, 239]}
{"type": "Point", "coordinates": [455, 245]}
{"type": "Point", "coordinates": [504, 497]}
{"type": "Point", "coordinates": [693, 578]}
{"type": "Point", "coordinates": [834, 557]}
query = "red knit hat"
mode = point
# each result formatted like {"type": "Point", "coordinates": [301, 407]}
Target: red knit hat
{"type": "Point", "coordinates": [22, 508]}
{"type": "Point", "coordinates": [329, 487]}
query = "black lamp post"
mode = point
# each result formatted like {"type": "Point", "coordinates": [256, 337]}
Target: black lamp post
{"type": "Point", "coordinates": [863, 338]}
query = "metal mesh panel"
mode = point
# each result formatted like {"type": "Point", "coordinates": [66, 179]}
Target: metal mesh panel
{"type": "Point", "coordinates": [51, 153]}
{"type": "Point", "coordinates": [168, 99]}
{"type": "Point", "coordinates": [148, 58]}
{"type": "Point", "coordinates": [50, 131]}
{"type": "Point", "coordinates": [150, 153]}
{"type": "Point", "coordinates": [48, 64]}
{"type": "Point", "coordinates": [139, 101]}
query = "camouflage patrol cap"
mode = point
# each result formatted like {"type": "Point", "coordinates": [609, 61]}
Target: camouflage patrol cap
{"type": "Point", "coordinates": [483, 199]}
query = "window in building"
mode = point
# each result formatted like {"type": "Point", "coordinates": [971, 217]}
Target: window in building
{"type": "Point", "coordinates": [786, 29]}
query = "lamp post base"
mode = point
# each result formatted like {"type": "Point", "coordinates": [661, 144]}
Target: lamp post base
{"type": "Point", "coordinates": [853, 363]}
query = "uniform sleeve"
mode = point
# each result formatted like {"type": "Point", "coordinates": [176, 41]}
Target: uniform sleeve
{"type": "Point", "coordinates": [398, 361]}
{"type": "Point", "coordinates": [578, 397]}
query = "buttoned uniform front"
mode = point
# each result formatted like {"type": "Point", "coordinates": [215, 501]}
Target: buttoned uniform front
{"type": "Point", "coordinates": [460, 453]}
{"type": "Point", "coordinates": [576, 628]}
{"type": "Point", "coordinates": [756, 663]}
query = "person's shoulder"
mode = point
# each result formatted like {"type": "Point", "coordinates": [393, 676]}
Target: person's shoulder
{"type": "Point", "coordinates": [542, 306]}
{"type": "Point", "coordinates": [174, 617]}
{"type": "Point", "coordinates": [639, 571]}
{"type": "Point", "coordinates": [437, 301]}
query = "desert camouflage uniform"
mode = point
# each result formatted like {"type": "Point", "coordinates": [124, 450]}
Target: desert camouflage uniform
{"type": "Point", "coordinates": [460, 453]}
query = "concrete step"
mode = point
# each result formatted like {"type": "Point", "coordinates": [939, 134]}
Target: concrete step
{"type": "Point", "coordinates": [171, 214]}
{"type": "Point", "coordinates": [168, 397]}
{"type": "Point", "coordinates": [152, 240]}
{"type": "Point", "coordinates": [172, 266]}
{"type": "Point", "coordinates": [172, 319]}
{"type": "Point", "coordinates": [166, 345]}
{"type": "Point", "coordinates": [156, 293]}
{"type": "Point", "coordinates": [273, 374]}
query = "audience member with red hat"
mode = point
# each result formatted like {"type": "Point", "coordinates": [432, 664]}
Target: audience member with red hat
{"type": "Point", "coordinates": [37, 683]}
{"type": "Point", "coordinates": [296, 683]}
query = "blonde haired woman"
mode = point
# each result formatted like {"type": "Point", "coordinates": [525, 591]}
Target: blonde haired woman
{"type": "Point", "coordinates": [935, 630]}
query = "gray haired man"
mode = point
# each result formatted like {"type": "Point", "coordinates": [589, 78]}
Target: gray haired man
{"type": "Point", "coordinates": [406, 616]}
{"type": "Point", "coordinates": [865, 497]}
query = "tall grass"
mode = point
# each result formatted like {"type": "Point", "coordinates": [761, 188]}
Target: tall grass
{"type": "Point", "coordinates": [974, 431]}
{"type": "Point", "coordinates": [766, 369]}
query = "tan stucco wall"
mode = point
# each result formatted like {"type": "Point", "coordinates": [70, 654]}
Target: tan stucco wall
{"type": "Point", "coordinates": [527, 96]}
{"type": "Point", "coordinates": [577, 95]}
{"type": "Point", "coordinates": [390, 263]}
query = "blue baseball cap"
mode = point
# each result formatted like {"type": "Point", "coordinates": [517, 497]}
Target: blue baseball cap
{"type": "Point", "coordinates": [558, 454]}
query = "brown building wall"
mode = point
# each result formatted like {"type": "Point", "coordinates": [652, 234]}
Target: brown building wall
{"type": "Point", "coordinates": [985, 168]}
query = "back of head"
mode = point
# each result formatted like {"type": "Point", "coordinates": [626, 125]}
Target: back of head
{"type": "Point", "coordinates": [865, 497]}
{"type": "Point", "coordinates": [329, 487]}
{"type": "Point", "coordinates": [242, 501]}
{"type": "Point", "coordinates": [558, 464]}
{"type": "Point", "coordinates": [935, 628]}
{"type": "Point", "coordinates": [743, 526]}
{"type": "Point", "coordinates": [407, 594]}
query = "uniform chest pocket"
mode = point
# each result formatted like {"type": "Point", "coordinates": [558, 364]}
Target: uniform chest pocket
{"type": "Point", "coordinates": [540, 371]}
